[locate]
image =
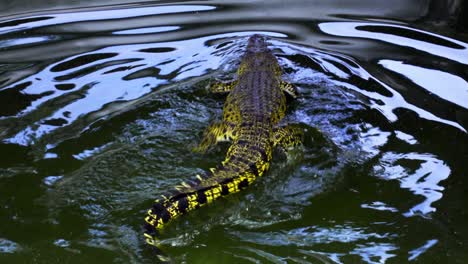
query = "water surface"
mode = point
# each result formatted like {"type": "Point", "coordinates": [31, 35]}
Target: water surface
{"type": "Point", "coordinates": [101, 104]}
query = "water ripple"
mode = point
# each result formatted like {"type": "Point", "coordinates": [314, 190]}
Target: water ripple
{"type": "Point", "coordinates": [100, 107]}
{"type": "Point", "coordinates": [422, 176]}
{"type": "Point", "coordinates": [427, 42]}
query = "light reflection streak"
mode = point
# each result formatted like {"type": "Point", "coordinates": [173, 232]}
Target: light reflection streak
{"type": "Point", "coordinates": [8, 246]}
{"type": "Point", "coordinates": [390, 103]}
{"type": "Point", "coordinates": [394, 102]}
{"type": "Point", "coordinates": [423, 181]}
{"type": "Point", "coordinates": [380, 206]}
{"type": "Point", "coordinates": [307, 236]}
{"type": "Point", "coordinates": [415, 253]}
{"type": "Point", "coordinates": [89, 152]}
{"type": "Point", "coordinates": [372, 139]}
{"type": "Point", "coordinates": [24, 41]}
{"type": "Point", "coordinates": [371, 251]}
{"type": "Point", "coordinates": [57, 19]}
{"type": "Point", "coordinates": [349, 29]}
{"type": "Point", "coordinates": [405, 137]}
{"type": "Point", "coordinates": [190, 58]}
{"type": "Point", "coordinates": [443, 84]}
{"type": "Point", "coordinates": [146, 30]}
{"type": "Point", "coordinates": [310, 236]}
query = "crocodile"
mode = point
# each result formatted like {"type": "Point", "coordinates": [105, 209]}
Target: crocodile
{"type": "Point", "coordinates": [252, 114]}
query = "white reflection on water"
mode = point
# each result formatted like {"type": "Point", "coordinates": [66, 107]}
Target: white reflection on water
{"type": "Point", "coordinates": [370, 252]}
{"type": "Point", "coordinates": [57, 19]}
{"type": "Point", "coordinates": [375, 252]}
{"type": "Point", "coordinates": [8, 246]}
{"type": "Point", "coordinates": [24, 41]}
{"type": "Point", "coordinates": [308, 236]}
{"type": "Point", "coordinates": [445, 85]}
{"type": "Point", "coordinates": [323, 59]}
{"type": "Point", "coordinates": [394, 102]}
{"type": "Point", "coordinates": [380, 206]}
{"type": "Point", "coordinates": [89, 152]}
{"type": "Point", "coordinates": [424, 180]}
{"type": "Point", "coordinates": [384, 104]}
{"type": "Point", "coordinates": [373, 139]}
{"type": "Point", "coordinates": [52, 180]}
{"type": "Point", "coordinates": [349, 29]}
{"type": "Point", "coordinates": [62, 243]}
{"type": "Point", "coordinates": [405, 137]}
{"type": "Point", "coordinates": [324, 257]}
{"type": "Point", "coordinates": [107, 84]}
{"type": "Point", "coordinates": [415, 253]}
{"type": "Point", "coordinates": [146, 30]}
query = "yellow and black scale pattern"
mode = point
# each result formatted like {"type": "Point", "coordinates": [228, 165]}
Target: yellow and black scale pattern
{"type": "Point", "coordinates": [254, 107]}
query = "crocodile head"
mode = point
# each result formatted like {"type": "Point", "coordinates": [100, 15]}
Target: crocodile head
{"type": "Point", "coordinates": [258, 57]}
{"type": "Point", "coordinates": [257, 43]}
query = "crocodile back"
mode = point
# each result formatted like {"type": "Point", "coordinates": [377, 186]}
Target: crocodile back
{"type": "Point", "coordinates": [254, 106]}
{"type": "Point", "coordinates": [257, 97]}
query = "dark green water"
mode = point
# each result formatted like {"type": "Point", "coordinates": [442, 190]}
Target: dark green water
{"type": "Point", "coordinates": [101, 103]}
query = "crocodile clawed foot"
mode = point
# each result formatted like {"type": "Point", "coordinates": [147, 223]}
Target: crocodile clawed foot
{"type": "Point", "coordinates": [199, 149]}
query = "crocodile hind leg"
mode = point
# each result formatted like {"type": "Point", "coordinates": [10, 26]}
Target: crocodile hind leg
{"type": "Point", "coordinates": [289, 89]}
{"type": "Point", "coordinates": [216, 132]}
{"type": "Point", "coordinates": [222, 87]}
{"type": "Point", "coordinates": [289, 136]}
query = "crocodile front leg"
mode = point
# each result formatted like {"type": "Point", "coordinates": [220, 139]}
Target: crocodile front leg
{"type": "Point", "coordinates": [222, 87]}
{"type": "Point", "coordinates": [289, 89]}
{"type": "Point", "coordinates": [216, 132]}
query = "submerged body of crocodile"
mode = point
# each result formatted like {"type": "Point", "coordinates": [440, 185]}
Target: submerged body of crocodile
{"type": "Point", "coordinates": [253, 109]}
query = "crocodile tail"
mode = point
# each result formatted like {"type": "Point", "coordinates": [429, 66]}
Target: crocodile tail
{"type": "Point", "coordinates": [162, 211]}
{"type": "Point", "coordinates": [221, 181]}
{"type": "Point", "coordinates": [180, 202]}
{"type": "Point", "coordinates": [183, 199]}
{"type": "Point", "coordinates": [155, 249]}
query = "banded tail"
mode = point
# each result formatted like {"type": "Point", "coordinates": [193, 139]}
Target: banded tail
{"type": "Point", "coordinates": [236, 173]}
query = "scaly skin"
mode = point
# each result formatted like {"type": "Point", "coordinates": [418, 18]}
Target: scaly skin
{"type": "Point", "coordinates": [253, 109]}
